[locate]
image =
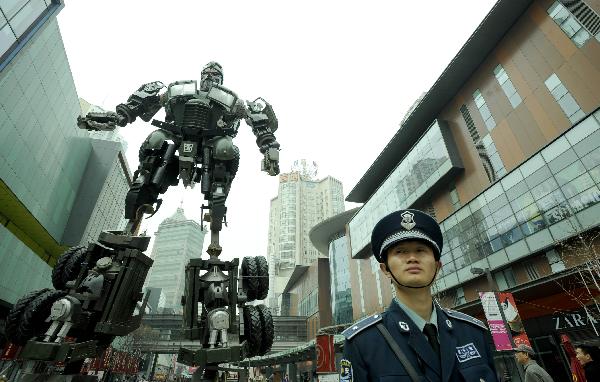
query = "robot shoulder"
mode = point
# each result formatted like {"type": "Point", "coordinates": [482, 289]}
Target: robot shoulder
{"type": "Point", "coordinates": [465, 318]}
{"type": "Point", "coordinates": [361, 325]}
{"type": "Point", "coordinates": [182, 88]}
{"type": "Point", "coordinates": [223, 96]}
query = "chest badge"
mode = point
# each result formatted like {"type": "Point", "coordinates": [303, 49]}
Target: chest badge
{"type": "Point", "coordinates": [449, 324]}
{"type": "Point", "coordinates": [345, 370]}
{"type": "Point", "coordinates": [467, 352]}
{"type": "Point", "coordinates": [403, 326]}
{"type": "Point", "coordinates": [408, 220]}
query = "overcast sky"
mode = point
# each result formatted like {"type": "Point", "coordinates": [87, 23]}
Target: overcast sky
{"type": "Point", "coordinates": [339, 74]}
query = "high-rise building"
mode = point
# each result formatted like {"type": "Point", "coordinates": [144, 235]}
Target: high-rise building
{"type": "Point", "coordinates": [504, 151]}
{"type": "Point", "coordinates": [47, 175]}
{"type": "Point", "coordinates": [177, 240]}
{"type": "Point", "coordinates": [100, 201]}
{"type": "Point", "coordinates": [301, 203]}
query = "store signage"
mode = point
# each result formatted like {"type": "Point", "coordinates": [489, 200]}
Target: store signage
{"type": "Point", "coordinates": [573, 320]}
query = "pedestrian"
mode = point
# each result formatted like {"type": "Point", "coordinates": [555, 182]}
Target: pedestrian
{"type": "Point", "coordinates": [589, 357]}
{"type": "Point", "coordinates": [414, 339]}
{"type": "Point", "coordinates": [533, 372]}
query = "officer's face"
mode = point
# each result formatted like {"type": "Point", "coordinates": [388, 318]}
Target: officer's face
{"type": "Point", "coordinates": [412, 263]}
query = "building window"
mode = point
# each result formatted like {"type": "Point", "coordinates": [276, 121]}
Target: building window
{"type": "Point", "coordinates": [576, 19]}
{"type": "Point", "coordinates": [505, 279]}
{"type": "Point", "coordinates": [429, 210]}
{"type": "Point", "coordinates": [531, 270]}
{"type": "Point", "coordinates": [475, 137]}
{"type": "Point", "coordinates": [493, 156]}
{"type": "Point", "coordinates": [564, 98]}
{"type": "Point", "coordinates": [454, 199]}
{"type": "Point", "coordinates": [459, 299]}
{"type": "Point", "coordinates": [486, 114]}
{"type": "Point", "coordinates": [556, 263]}
{"type": "Point", "coordinates": [482, 147]}
{"type": "Point", "coordinates": [506, 84]}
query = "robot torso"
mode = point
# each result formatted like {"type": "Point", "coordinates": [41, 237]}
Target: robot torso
{"type": "Point", "coordinates": [198, 114]}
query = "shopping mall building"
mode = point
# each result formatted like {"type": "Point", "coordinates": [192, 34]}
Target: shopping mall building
{"type": "Point", "coordinates": [504, 151]}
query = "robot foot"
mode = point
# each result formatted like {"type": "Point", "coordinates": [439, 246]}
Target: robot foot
{"type": "Point", "coordinates": [133, 226]}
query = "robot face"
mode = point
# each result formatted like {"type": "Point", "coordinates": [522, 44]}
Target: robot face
{"type": "Point", "coordinates": [212, 74]}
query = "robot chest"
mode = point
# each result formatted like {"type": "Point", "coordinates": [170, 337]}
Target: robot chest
{"type": "Point", "coordinates": [196, 114]}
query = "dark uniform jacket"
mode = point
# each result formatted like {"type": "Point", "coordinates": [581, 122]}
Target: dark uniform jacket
{"type": "Point", "coordinates": [465, 353]}
{"type": "Point", "coordinates": [592, 371]}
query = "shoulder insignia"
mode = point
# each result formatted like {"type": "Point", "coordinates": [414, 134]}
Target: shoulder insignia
{"type": "Point", "coordinates": [465, 317]}
{"type": "Point", "coordinates": [361, 325]}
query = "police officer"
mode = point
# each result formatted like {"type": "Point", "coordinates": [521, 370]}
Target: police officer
{"type": "Point", "coordinates": [414, 337]}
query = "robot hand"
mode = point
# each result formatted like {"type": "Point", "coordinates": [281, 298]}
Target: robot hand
{"type": "Point", "coordinates": [270, 162]}
{"type": "Point", "coordinates": [103, 121]}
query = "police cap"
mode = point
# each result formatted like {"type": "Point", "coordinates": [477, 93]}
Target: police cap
{"type": "Point", "coordinates": [406, 225]}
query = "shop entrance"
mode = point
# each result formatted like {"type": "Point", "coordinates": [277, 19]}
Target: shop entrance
{"type": "Point", "coordinates": [551, 356]}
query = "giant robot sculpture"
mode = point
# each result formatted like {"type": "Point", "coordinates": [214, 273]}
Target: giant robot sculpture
{"type": "Point", "coordinates": [98, 288]}
{"type": "Point", "coordinates": [201, 120]}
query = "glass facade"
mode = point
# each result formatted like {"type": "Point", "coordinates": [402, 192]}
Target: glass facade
{"type": "Point", "coordinates": [19, 263]}
{"type": "Point", "coordinates": [430, 159]}
{"type": "Point", "coordinates": [287, 227]}
{"type": "Point", "coordinates": [41, 163]}
{"type": "Point", "coordinates": [548, 198]}
{"type": "Point", "coordinates": [16, 16]}
{"type": "Point", "coordinates": [570, 24]}
{"type": "Point", "coordinates": [341, 292]}
{"type": "Point", "coordinates": [42, 149]}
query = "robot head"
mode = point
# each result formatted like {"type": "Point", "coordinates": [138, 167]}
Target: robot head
{"type": "Point", "coordinates": [212, 73]}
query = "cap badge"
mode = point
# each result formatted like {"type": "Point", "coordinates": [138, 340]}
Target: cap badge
{"type": "Point", "coordinates": [408, 221]}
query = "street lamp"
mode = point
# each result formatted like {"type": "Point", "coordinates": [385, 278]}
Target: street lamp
{"type": "Point", "coordinates": [480, 271]}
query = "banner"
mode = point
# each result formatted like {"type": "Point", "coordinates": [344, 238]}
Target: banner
{"type": "Point", "coordinates": [513, 320]}
{"type": "Point", "coordinates": [503, 319]}
{"type": "Point", "coordinates": [325, 354]}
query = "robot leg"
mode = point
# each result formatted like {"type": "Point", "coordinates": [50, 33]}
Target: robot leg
{"type": "Point", "coordinates": [156, 172]}
{"type": "Point", "coordinates": [223, 173]}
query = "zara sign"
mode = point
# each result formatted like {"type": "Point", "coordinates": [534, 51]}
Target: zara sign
{"type": "Point", "coordinates": [574, 320]}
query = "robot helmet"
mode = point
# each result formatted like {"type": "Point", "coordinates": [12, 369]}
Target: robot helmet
{"type": "Point", "coordinates": [212, 73]}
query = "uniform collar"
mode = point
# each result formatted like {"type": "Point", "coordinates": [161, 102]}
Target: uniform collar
{"type": "Point", "coordinates": [416, 340]}
{"type": "Point", "coordinates": [415, 318]}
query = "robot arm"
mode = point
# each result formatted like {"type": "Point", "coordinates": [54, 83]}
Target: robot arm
{"type": "Point", "coordinates": [144, 103]}
{"type": "Point", "coordinates": [261, 118]}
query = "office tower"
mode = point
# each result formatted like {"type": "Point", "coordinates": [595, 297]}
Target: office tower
{"type": "Point", "coordinates": [302, 202]}
{"type": "Point", "coordinates": [177, 240]}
